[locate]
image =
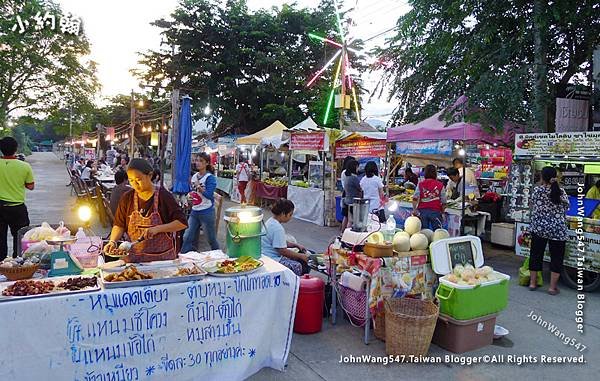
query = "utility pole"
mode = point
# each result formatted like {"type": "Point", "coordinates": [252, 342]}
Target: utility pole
{"type": "Point", "coordinates": [132, 127]}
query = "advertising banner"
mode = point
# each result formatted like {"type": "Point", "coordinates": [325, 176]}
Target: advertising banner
{"type": "Point", "coordinates": [567, 143]}
{"type": "Point", "coordinates": [310, 141]}
{"type": "Point", "coordinates": [360, 148]}
{"type": "Point", "coordinates": [426, 147]}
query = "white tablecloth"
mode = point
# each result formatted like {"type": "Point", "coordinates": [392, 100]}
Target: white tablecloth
{"type": "Point", "coordinates": [212, 329]}
{"type": "Point", "coordinates": [309, 204]}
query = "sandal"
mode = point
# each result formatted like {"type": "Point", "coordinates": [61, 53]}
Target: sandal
{"type": "Point", "coordinates": [554, 292]}
{"type": "Point", "coordinates": [532, 288]}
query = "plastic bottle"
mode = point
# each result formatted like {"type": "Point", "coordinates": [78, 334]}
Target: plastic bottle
{"type": "Point", "coordinates": [390, 227]}
{"type": "Point", "coordinates": [80, 234]}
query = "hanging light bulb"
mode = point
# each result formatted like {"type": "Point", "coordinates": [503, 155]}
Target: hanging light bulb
{"type": "Point", "coordinates": [126, 136]}
{"type": "Point", "coordinates": [141, 103]}
{"type": "Point", "coordinates": [207, 109]}
{"type": "Point", "coordinates": [164, 127]}
{"type": "Point", "coordinates": [461, 152]}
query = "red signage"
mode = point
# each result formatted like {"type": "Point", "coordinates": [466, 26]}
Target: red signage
{"type": "Point", "coordinates": [310, 141]}
{"type": "Point", "coordinates": [360, 148]}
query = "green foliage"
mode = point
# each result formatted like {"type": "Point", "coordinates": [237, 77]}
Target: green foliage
{"type": "Point", "coordinates": [251, 67]}
{"type": "Point", "coordinates": [41, 71]}
{"type": "Point", "coordinates": [485, 50]}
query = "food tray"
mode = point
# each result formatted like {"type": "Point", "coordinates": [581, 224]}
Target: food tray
{"type": "Point", "coordinates": [56, 281]}
{"type": "Point", "coordinates": [225, 275]}
{"type": "Point", "coordinates": [161, 273]}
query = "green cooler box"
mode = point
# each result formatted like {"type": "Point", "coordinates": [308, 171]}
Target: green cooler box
{"type": "Point", "coordinates": [464, 302]}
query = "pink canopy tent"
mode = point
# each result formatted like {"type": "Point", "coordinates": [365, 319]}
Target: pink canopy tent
{"type": "Point", "coordinates": [433, 128]}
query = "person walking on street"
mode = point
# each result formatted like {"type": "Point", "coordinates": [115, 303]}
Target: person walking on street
{"type": "Point", "coordinates": [242, 174]}
{"type": "Point", "coordinates": [549, 204]}
{"type": "Point", "coordinates": [15, 177]}
{"type": "Point", "coordinates": [204, 184]}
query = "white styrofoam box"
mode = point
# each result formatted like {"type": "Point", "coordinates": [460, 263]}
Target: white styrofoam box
{"type": "Point", "coordinates": [503, 234]}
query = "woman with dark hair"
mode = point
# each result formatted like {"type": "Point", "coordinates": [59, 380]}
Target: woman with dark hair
{"type": "Point", "coordinates": [204, 184]}
{"type": "Point", "coordinates": [352, 189]}
{"type": "Point", "coordinates": [549, 204]}
{"type": "Point", "coordinates": [372, 188]}
{"type": "Point", "coordinates": [87, 171]}
{"type": "Point", "coordinates": [147, 213]}
{"type": "Point", "coordinates": [429, 200]}
{"type": "Point", "coordinates": [274, 243]}
{"type": "Point", "coordinates": [410, 176]}
{"type": "Point", "coordinates": [347, 159]}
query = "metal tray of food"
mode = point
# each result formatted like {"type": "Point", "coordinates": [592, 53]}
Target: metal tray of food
{"type": "Point", "coordinates": [55, 291]}
{"type": "Point", "coordinates": [159, 274]}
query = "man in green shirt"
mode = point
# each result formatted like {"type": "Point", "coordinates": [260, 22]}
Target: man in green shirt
{"type": "Point", "coordinates": [15, 176]}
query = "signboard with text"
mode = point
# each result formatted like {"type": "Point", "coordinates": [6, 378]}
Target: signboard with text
{"type": "Point", "coordinates": [211, 329]}
{"type": "Point", "coordinates": [360, 148]}
{"type": "Point", "coordinates": [572, 115]}
{"type": "Point", "coordinates": [567, 143]}
{"type": "Point", "coordinates": [309, 141]}
{"type": "Point", "coordinates": [425, 147]}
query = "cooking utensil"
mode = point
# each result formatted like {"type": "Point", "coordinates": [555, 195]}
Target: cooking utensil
{"type": "Point", "coordinates": [126, 246]}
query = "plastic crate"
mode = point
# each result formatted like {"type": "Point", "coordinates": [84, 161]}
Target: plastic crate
{"type": "Point", "coordinates": [461, 336]}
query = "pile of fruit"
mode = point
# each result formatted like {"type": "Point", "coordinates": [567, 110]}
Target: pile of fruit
{"type": "Point", "coordinates": [468, 275]}
{"type": "Point", "coordinates": [301, 184]}
{"type": "Point", "coordinates": [407, 196]}
{"type": "Point", "coordinates": [276, 181]}
{"type": "Point", "coordinates": [9, 263]}
{"type": "Point", "coordinates": [412, 238]}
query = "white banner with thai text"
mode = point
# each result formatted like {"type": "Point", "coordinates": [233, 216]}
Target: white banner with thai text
{"type": "Point", "coordinates": [212, 329]}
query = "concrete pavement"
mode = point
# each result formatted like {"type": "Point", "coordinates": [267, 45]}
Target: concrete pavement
{"type": "Point", "coordinates": [316, 357]}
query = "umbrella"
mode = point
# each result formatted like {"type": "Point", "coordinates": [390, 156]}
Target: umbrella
{"type": "Point", "coordinates": [183, 155]}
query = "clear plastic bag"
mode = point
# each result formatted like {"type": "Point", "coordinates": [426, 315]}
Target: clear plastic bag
{"type": "Point", "coordinates": [40, 233]}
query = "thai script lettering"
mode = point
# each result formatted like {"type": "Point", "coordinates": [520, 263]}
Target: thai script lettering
{"type": "Point", "coordinates": [221, 354]}
{"type": "Point", "coordinates": [137, 345]}
{"type": "Point", "coordinates": [229, 308]}
{"type": "Point", "coordinates": [261, 282]}
{"type": "Point", "coordinates": [207, 290]}
{"type": "Point", "coordinates": [144, 319]}
{"type": "Point", "coordinates": [114, 300]}
{"type": "Point", "coordinates": [213, 332]}
{"type": "Point", "coordinates": [119, 374]}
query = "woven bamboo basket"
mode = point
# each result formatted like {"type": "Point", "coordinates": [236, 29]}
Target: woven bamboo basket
{"type": "Point", "coordinates": [18, 273]}
{"type": "Point", "coordinates": [409, 326]}
{"type": "Point", "coordinates": [379, 325]}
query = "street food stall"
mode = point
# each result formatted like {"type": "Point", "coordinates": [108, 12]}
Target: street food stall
{"type": "Point", "coordinates": [433, 141]}
{"type": "Point", "coordinates": [310, 174]}
{"type": "Point", "coordinates": [575, 156]}
{"type": "Point", "coordinates": [251, 147]}
{"type": "Point", "coordinates": [226, 162]}
{"type": "Point", "coordinates": [274, 164]}
{"type": "Point", "coordinates": [203, 316]}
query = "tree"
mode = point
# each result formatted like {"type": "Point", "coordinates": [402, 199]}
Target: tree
{"type": "Point", "coordinates": [251, 67]}
{"type": "Point", "coordinates": [486, 50]}
{"type": "Point", "coordinates": [41, 70]}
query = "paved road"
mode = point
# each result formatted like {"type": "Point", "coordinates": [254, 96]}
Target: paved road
{"type": "Point", "coordinates": [316, 357]}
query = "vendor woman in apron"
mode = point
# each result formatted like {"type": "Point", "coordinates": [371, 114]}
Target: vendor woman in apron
{"type": "Point", "coordinates": [149, 212]}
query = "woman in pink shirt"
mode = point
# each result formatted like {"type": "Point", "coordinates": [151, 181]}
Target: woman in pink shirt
{"type": "Point", "coordinates": [429, 200]}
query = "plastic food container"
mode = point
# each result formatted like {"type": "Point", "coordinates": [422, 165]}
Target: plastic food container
{"type": "Point", "coordinates": [88, 261]}
{"type": "Point", "coordinates": [464, 302]}
{"type": "Point", "coordinates": [461, 336]}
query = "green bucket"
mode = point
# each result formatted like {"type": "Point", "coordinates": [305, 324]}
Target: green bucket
{"type": "Point", "coordinates": [244, 231]}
